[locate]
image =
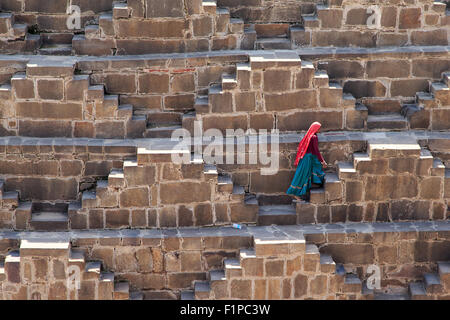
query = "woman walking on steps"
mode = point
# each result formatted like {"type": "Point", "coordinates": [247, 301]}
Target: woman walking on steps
{"type": "Point", "coordinates": [309, 164]}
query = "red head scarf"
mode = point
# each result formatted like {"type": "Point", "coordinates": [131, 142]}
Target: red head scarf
{"type": "Point", "coordinates": [303, 145]}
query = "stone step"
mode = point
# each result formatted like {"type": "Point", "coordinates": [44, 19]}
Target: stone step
{"type": "Point", "coordinates": [432, 283]}
{"type": "Point", "coordinates": [367, 293]}
{"type": "Point", "coordinates": [106, 277]}
{"type": "Point", "coordinates": [236, 26]}
{"type": "Point", "coordinates": [156, 118]}
{"type": "Point", "coordinates": [210, 171]}
{"type": "Point", "coordinates": [19, 30]}
{"type": "Point", "coordinates": [93, 269]}
{"type": "Point", "coordinates": [45, 247]}
{"type": "Point", "coordinates": [250, 200]}
{"type": "Point", "coordinates": [161, 131]}
{"type": "Point", "coordinates": [382, 106]}
{"type": "Point", "coordinates": [446, 78]}
{"type": "Point", "coordinates": [352, 283]}
{"type": "Point", "coordinates": [274, 199]}
{"type": "Point", "coordinates": [91, 31]}
{"type": "Point", "coordinates": [76, 257]}
{"type": "Point", "coordinates": [383, 149]}
{"type": "Point", "coordinates": [425, 99]}
{"type": "Point", "coordinates": [317, 195]}
{"type": "Point", "coordinates": [310, 21]}
{"type": "Point", "coordinates": [49, 221]}
{"type": "Point", "coordinates": [387, 122]}
{"type": "Point", "coordinates": [232, 268]}
{"type": "Point", "coordinates": [125, 111]}
{"type": "Point", "coordinates": [444, 274]}
{"type": "Point", "coordinates": [327, 263]}
{"type": "Point", "coordinates": [56, 68]}
{"type": "Point", "coordinates": [391, 296]}
{"type": "Point", "coordinates": [188, 121]}
{"type": "Point", "coordinates": [202, 290]}
{"type": "Point", "coordinates": [331, 179]}
{"type": "Point", "coordinates": [311, 250]}
{"type": "Point", "coordinates": [438, 168]}
{"type": "Point", "coordinates": [210, 6]}
{"type": "Point", "coordinates": [272, 245]}
{"type": "Point", "coordinates": [273, 44]}
{"type": "Point", "coordinates": [340, 270]}
{"type": "Point", "coordinates": [136, 296]}
{"type": "Point", "coordinates": [238, 193]}
{"type": "Point", "coordinates": [321, 79]}
{"type": "Point", "coordinates": [417, 291]}
{"type": "Point", "coordinates": [201, 105]}
{"type": "Point", "coordinates": [187, 295]}
{"type": "Point", "coordinates": [243, 73]}
{"type": "Point", "coordinates": [2, 271]}
{"type": "Point", "coordinates": [360, 157]}
{"type": "Point", "coordinates": [96, 92]}
{"type": "Point", "coordinates": [272, 30]}
{"type": "Point", "coordinates": [120, 10]}
{"type": "Point", "coordinates": [89, 199]}
{"type": "Point", "coordinates": [217, 275]}
{"type": "Point", "coordinates": [224, 184]}
{"type": "Point", "coordinates": [121, 291]}
{"type": "Point", "coordinates": [116, 178]}
{"type": "Point", "coordinates": [12, 266]}
{"type": "Point", "coordinates": [10, 198]}
{"type": "Point", "coordinates": [277, 214]}
{"type": "Point", "coordinates": [350, 101]}
{"type": "Point", "coordinates": [6, 22]}
{"type": "Point", "coordinates": [56, 49]}
{"type": "Point", "coordinates": [229, 82]}
{"type": "Point", "coordinates": [5, 90]}
{"type": "Point", "coordinates": [57, 38]}
{"type": "Point", "coordinates": [247, 254]}
{"type": "Point", "coordinates": [441, 91]}
{"type": "Point", "coordinates": [102, 185]}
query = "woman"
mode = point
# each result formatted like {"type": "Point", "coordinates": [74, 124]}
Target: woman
{"type": "Point", "coordinates": [311, 163]}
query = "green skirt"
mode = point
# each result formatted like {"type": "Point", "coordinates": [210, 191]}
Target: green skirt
{"type": "Point", "coordinates": [309, 170]}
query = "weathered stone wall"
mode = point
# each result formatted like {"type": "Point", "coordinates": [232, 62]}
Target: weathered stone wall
{"type": "Point", "coordinates": [164, 263]}
{"type": "Point", "coordinates": [384, 73]}
{"type": "Point", "coordinates": [245, 97]}
{"type": "Point", "coordinates": [388, 183]}
{"type": "Point", "coordinates": [151, 191]}
{"type": "Point", "coordinates": [388, 23]}
{"type": "Point", "coordinates": [43, 169]}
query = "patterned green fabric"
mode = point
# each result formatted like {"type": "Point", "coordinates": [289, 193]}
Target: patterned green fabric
{"type": "Point", "coordinates": [309, 170]}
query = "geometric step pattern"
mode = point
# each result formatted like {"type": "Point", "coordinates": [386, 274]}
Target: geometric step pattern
{"type": "Point", "coordinates": [26, 274]}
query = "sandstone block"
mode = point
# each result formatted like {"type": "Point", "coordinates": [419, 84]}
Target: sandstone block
{"type": "Point", "coordinates": [135, 197]}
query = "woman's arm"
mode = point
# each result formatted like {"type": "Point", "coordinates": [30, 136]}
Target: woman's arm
{"type": "Point", "coordinates": [315, 148]}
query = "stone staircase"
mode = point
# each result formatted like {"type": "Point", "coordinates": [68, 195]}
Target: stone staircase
{"type": "Point", "coordinates": [433, 284]}
{"type": "Point", "coordinates": [213, 29]}
{"type": "Point", "coordinates": [272, 36]}
{"type": "Point", "coordinates": [382, 165]}
{"type": "Point", "coordinates": [277, 268]}
{"type": "Point", "coordinates": [336, 24]}
{"type": "Point", "coordinates": [56, 44]}
{"type": "Point", "coordinates": [49, 94]}
{"type": "Point", "coordinates": [14, 36]}
{"type": "Point", "coordinates": [257, 85]}
{"type": "Point", "coordinates": [123, 199]}
{"type": "Point", "coordinates": [72, 278]}
{"type": "Point", "coordinates": [397, 114]}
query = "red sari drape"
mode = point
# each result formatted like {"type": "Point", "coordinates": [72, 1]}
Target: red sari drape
{"type": "Point", "coordinates": [303, 145]}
